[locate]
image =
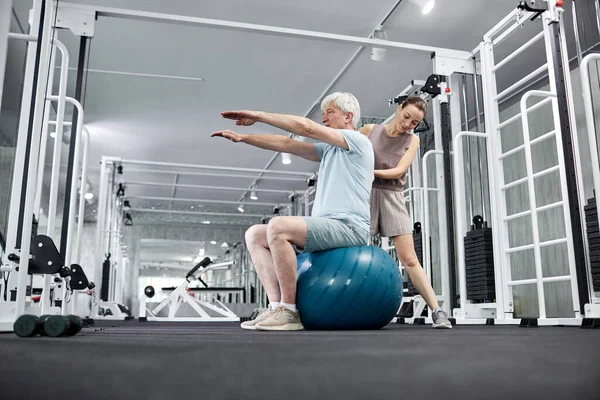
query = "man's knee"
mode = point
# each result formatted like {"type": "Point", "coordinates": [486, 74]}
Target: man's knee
{"type": "Point", "coordinates": [256, 234]}
{"type": "Point", "coordinates": [278, 229]}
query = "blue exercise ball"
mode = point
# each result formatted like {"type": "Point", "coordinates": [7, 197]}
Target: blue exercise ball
{"type": "Point", "coordinates": [348, 288]}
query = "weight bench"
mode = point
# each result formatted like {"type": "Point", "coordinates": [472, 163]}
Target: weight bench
{"type": "Point", "coordinates": [181, 294]}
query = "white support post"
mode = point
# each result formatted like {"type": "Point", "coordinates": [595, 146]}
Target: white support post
{"type": "Point", "coordinates": [55, 175]}
{"type": "Point", "coordinates": [75, 180]}
{"type": "Point", "coordinates": [5, 15]}
{"type": "Point", "coordinates": [559, 148]}
{"type": "Point", "coordinates": [440, 185]}
{"type": "Point", "coordinates": [504, 295]}
{"type": "Point", "coordinates": [19, 161]}
{"type": "Point", "coordinates": [82, 193]}
{"type": "Point", "coordinates": [40, 91]}
{"type": "Point", "coordinates": [100, 226]}
{"type": "Point", "coordinates": [425, 228]}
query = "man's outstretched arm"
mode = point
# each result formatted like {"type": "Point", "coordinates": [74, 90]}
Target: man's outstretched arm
{"type": "Point", "coordinates": [291, 123]}
{"type": "Point", "coordinates": [273, 142]}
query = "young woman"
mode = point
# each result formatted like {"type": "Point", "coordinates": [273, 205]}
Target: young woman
{"type": "Point", "coordinates": [395, 147]}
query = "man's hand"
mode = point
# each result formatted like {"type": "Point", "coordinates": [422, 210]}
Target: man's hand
{"type": "Point", "coordinates": [231, 135]}
{"type": "Point", "coordinates": [243, 117]}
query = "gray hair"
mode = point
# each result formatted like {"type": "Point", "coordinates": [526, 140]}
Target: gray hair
{"type": "Point", "coordinates": [346, 102]}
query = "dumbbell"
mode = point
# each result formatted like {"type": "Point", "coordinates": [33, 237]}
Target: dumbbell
{"type": "Point", "coordinates": [62, 325]}
{"type": "Point", "coordinates": [29, 325]}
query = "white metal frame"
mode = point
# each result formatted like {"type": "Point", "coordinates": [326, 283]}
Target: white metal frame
{"type": "Point", "coordinates": [37, 157]}
{"type": "Point", "coordinates": [8, 311]}
{"type": "Point", "coordinates": [427, 263]}
{"type": "Point", "coordinates": [261, 29]}
{"type": "Point", "coordinates": [592, 310]}
{"type": "Point", "coordinates": [504, 303]}
{"type": "Point", "coordinates": [180, 296]}
{"type": "Point", "coordinates": [5, 15]}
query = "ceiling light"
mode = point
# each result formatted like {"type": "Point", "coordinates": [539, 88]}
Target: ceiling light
{"type": "Point", "coordinates": [253, 195]}
{"type": "Point", "coordinates": [378, 53]}
{"type": "Point", "coordinates": [241, 208]}
{"type": "Point", "coordinates": [206, 222]}
{"type": "Point", "coordinates": [285, 158]}
{"type": "Point", "coordinates": [53, 135]}
{"type": "Point", "coordinates": [213, 242]}
{"type": "Point", "coordinates": [224, 245]}
{"type": "Point", "coordinates": [89, 195]}
{"type": "Point", "coordinates": [428, 7]}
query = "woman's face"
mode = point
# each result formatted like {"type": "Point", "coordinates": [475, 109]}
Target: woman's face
{"type": "Point", "coordinates": [408, 117]}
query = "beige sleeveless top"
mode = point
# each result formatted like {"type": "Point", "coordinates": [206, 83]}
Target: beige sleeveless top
{"type": "Point", "coordinates": [388, 152]}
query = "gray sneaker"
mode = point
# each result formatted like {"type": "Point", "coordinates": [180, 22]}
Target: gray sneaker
{"type": "Point", "coordinates": [260, 317]}
{"type": "Point", "coordinates": [440, 320]}
{"type": "Point", "coordinates": [281, 319]}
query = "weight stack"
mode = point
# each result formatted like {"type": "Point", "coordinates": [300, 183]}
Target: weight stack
{"type": "Point", "coordinates": [593, 236]}
{"type": "Point", "coordinates": [479, 262]}
{"type": "Point", "coordinates": [418, 241]}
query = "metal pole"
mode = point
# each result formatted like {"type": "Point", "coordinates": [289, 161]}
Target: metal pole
{"type": "Point", "coordinates": [211, 167]}
{"type": "Point", "coordinates": [228, 175]}
{"type": "Point", "coordinates": [82, 193]}
{"type": "Point", "coordinates": [468, 186]}
{"type": "Point", "coordinates": [425, 205]}
{"type": "Point", "coordinates": [479, 156]}
{"type": "Point", "coordinates": [263, 29]}
{"type": "Point", "coordinates": [72, 189]}
{"type": "Point", "coordinates": [225, 188]}
{"type": "Point", "coordinates": [50, 229]}
{"type": "Point", "coordinates": [560, 80]}
{"type": "Point", "coordinates": [72, 148]}
{"type": "Point", "coordinates": [55, 174]}
{"type": "Point", "coordinates": [576, 31]}
{"type": "Point", "coordinates": [32, 151]}
{"type": "Point", "coordinates": [446, 139]}
{"type": "Point", "coordinates": [5, 15]}
{"type": "Point", "coordinates": [40, 54]}
{"type": "Point", "coordinates": [100, 227]}
{"type": "Point", "coordinates": [184, 200]}
{"type": "Point", "coordinates": [196, 213]}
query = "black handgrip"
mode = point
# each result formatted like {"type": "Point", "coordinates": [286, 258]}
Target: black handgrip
{"type": "Point", "coordinates": [205, 262]}
{"type": "Point", "coordinates": [538, 11]}
{"type": "Point", "coordinates": [524, 6]}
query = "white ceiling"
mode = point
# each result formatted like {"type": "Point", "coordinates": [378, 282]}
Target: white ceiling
{"type": "Point", "coordinates": [170, 120]}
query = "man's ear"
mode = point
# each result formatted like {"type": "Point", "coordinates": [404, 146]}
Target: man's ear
{"type": "Point", "coordinates": [349, 117]}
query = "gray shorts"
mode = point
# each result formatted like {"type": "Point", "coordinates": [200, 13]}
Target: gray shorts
{"type": "Point", "coordinates": [389, 216]}
{"type": "Point", "coordinates": [327, 233]}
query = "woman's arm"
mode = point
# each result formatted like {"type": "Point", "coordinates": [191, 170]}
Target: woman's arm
{"type": "Point", "coordinates": [403, 165]}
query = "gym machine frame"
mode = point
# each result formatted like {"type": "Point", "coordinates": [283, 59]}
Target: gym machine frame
{"type": "Point", "coordinates": [29, 168]}
{"type": "Point", "coordinates": [560, 97]}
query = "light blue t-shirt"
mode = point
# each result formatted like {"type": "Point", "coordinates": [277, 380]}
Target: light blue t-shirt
{"type": "Point", "coordinates": [345, 179]}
